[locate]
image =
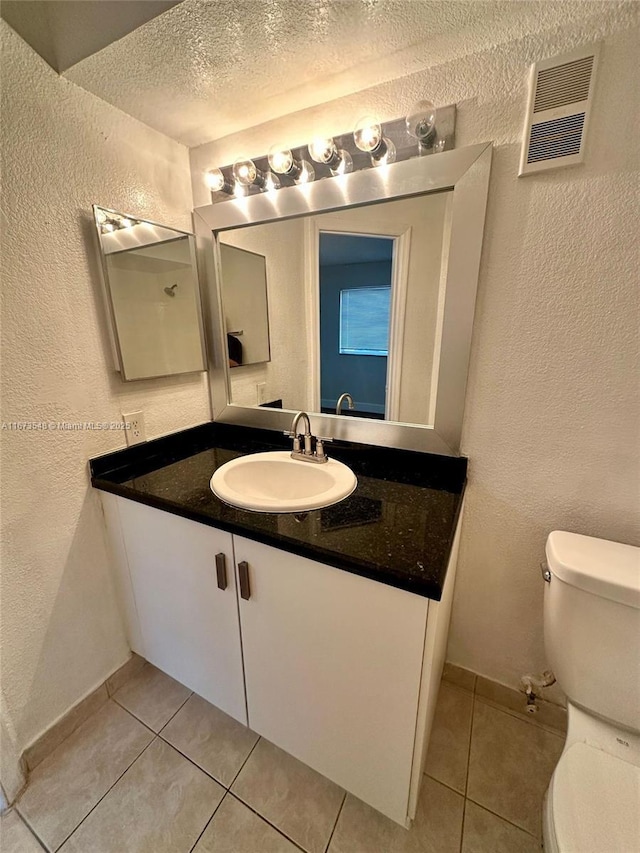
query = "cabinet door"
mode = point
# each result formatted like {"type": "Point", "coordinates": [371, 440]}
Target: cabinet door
{"type": "Point", "coordinates": [332, 667]}
{"type": "Point", "coordinates": [189, 625]}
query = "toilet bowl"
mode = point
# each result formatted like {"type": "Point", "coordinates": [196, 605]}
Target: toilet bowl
{"type": "Point", "coordinates": [592, 641]}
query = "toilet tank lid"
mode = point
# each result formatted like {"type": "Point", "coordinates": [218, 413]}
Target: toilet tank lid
{"type": "Point", "coordinates": [608, 569]}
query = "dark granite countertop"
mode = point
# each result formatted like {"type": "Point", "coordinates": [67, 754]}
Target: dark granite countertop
{"type": "Point", "coordinates": [397, 527]}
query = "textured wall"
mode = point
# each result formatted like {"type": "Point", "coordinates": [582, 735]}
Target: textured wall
{"type": "Point", "coordinates": [64, 149]}
{"type": "Point", "coordinates": [551, 422]}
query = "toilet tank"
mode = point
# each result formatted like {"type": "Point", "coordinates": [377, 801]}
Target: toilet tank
{"type": "Point", "coordinates": [592, 624]}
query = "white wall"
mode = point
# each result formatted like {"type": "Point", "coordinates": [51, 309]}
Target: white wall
{"type": "Point", "coordinates": [551, 423]}
{"type": "Point", "coordinates": [64, 149]}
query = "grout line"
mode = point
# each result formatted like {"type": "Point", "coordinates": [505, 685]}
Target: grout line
{"type": "Point", "coordinates": [473, 715]}
{"type": "Point", "coordinates": [263, 818]}
{"type": "Point", "coordinates": [245, 761]}
{"type": "Point", "coordinates": [95, 806]}
{"type": "Point", "coordinates": [336, 823]}
{"type": "Point", "coordinates": [162, 728]}
{"type": "Point", "coordinates": [464, 814]}
{"type": "Point", "coordinates": [522, 716]}
{"type": "Point", "coordinates": [30, 829]}
{"type": "Point", "coordinates": [204, 828]}
{"type": "Point", "coordinates": [194, 762]}
{"type": "Point", "coordinates": [502, 817]}
{"type": "Point", "coordinates": [146, 725]}
{"type": "Point", "coordinates": [444, 784]}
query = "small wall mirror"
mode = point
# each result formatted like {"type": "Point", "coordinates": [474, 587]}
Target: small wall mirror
{"type": "Point", "coordinates": [246, 312]}
{"type": "Point", "coordinates": [152, 293]}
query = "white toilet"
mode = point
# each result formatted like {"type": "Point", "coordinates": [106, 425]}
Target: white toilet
{"type": "Point", "coordinates": [592, 640]}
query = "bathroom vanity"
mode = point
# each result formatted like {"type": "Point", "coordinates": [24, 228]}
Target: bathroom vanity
{"type": "Point", "coordinates": [324, 632]}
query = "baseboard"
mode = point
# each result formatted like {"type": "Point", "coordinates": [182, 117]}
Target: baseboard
{"type": "Point", "coordinates": [547, 714]}
{"type": "Point", "coordinates": [65, 725]}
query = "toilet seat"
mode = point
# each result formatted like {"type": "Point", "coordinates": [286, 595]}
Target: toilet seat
{"type": "Point", "coordinates": [594, 803]}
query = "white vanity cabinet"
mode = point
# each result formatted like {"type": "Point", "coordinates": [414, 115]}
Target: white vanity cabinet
{"type": "Point", "coordinates": [333, 663]}
{"type": "Point", "coordinates": [338, 670]}
{"type": "Point", "coordinates": [179, 617]}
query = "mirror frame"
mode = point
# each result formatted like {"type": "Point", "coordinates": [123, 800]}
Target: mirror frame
{"type": "Point", "coordinates": [465, 172]}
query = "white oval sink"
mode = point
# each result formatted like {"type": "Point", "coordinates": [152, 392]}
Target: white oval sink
{"type": "Point", "coordinates": [275, 482]}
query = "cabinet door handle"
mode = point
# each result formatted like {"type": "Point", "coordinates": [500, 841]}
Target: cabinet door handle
{"type": "Point", "coordinates": [221, 570]}
{"type": "Point", "coordinates": [243, 573]}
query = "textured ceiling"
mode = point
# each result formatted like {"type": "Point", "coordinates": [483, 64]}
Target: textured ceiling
{"type": "Point", "coordinates": [208, 68]}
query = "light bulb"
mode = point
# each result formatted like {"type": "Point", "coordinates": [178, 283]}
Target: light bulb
{"type": "Point", "coordinates": [272, 182]}
{"type": "Point", "coordinates": [385, 154]}
{"type": "Point", "coordinates": [323, 150]}
{"type": "Point", "coordinates": [345, 165]}
{"type": "Point", "coordinates": [215, 180]}
{"type": "Point", "coordinates": [106, 227]}
{"type": "Point", "coordinates": [326, 151]}
{"type": "Point", "coordinates": [101, 216]}
{"type": "Point", "coordinates": [421, 122]}
{"type": "Point", "coordinates": [367, 134]}
{"type": "Point", "coordinates": [125, 223]}
{"type": "Point", "coordinates": [307, 173]}
{"type": "Point", "coordinates": [280, 159]}
{"type": "Point", "coordinates": [244, 171]}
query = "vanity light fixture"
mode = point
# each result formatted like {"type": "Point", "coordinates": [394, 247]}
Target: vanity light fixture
{"type": "Point", "coordinates": [369, 138]}
{"type": "Point", "coordinates": [421, 124]}
{"type": "Point", "coordinates": [326, 151]}
{"type": "Point", "coordinates": [283, 162]}
{"type": "Point", "coordinates": [382, 143]}
{"type": "Point", "coordinates": [108, 224]}
{"type": "Point", "coordinates": [217, 182]}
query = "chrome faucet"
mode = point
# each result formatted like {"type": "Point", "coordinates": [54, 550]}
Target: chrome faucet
{"type": "Point", "coordinates": [306, 453]}
{"type": "Point", "coordinates": [342, 399]}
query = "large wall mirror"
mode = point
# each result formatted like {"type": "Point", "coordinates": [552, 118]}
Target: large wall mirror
{"type": "Point", "coordinates": [152, 293]}
{"type": "Point", "coordinates": [371, 282]}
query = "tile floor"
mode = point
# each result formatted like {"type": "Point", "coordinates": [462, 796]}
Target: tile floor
{"type": "Point", "coordinates": [159, 770]}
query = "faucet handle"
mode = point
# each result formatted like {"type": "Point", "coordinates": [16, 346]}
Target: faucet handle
{"type": "Point", "coordinates": [320, 442]}
{"type": "Point", "coordinates": [296, 440]}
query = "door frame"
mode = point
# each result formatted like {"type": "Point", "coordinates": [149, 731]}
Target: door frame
{"type": "Point", "coordinates": [340, 223]}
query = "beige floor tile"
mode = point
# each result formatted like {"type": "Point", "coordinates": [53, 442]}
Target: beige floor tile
{"type": "Point", "coordinates": [160, 805]}
{"type": "Point", "coordinates": [510, 765]}
{"type": "Point", "coordinates": [297, 800]}
{"type": "Point", "coordinates": [152, 697]}
{"type": "Point", "coordinates": [61, 730]}
{"type": "Point", "coordinates": [126, 672]}
{"type": "Point", "coordinates": [15, 837]}
{"type": "Point", "coordinates": [68, 784]}
{"type": "Point", "coordinates": [448, 754]}
{"type": "Point", "coordinates": [210, 738]}
{"type": "Point", "coordinates": [486, 833]}
{"type": "Point", "coordinates": [436, 829]}
{"type": "Point", "coordinates": [236, 829]}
